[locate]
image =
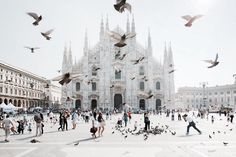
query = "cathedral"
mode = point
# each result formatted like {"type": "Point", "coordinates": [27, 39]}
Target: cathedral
{"type": "Point", "coordinates": [111, 80]}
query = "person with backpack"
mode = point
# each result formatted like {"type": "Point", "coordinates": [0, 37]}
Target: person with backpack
{"type": "Point", "coordinates": [38, 118]}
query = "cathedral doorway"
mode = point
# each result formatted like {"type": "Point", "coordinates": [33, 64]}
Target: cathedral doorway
{"type": "Point", "coordinates": [142, 104]}
{"type": "Point", "coordinates": [93, 104]}
{"type": "Point", "coordinates": [118, 102]}
{"type": "Point", "coordinates": [158, 104]}
{"type": "Point", "coordinates": [78, 104]}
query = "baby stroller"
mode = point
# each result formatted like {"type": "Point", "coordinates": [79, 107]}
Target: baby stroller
{"type": "Point", "coordinates": [93, 130]}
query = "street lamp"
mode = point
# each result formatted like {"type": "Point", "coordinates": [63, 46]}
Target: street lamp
{"type": "Point", "coordinates": [203, 84]}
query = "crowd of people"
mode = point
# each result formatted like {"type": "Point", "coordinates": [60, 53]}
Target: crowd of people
{"type": "Point", "coordinates": [96, 119]}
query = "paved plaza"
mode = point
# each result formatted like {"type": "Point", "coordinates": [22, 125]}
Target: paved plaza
{"type": "Point", "coordinates": [78, 142]}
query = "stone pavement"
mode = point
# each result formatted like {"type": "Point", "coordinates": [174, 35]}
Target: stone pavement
{"type": "Point", "coordinates": [55, 143]}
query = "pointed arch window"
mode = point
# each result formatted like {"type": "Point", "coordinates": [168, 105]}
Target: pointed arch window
{"type": "Point", "coordinates": [158, 85]}
{"type": "Point", "coordinates": [141, 86]}
{"type": "Point", "coordinates": [94, 86]}
{"type": "Point", "coordinates": [77, 86]}
{"type": "Point", "coordinates": [141, 70]}
{"type": "Point", "coordinates": [117, 74]}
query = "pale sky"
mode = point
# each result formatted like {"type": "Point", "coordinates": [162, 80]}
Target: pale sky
{"type": "Point", "coordinates": [214, 33]}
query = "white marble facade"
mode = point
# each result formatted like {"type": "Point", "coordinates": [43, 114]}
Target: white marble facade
{"type": "Point", "coordinates": [98, 93]}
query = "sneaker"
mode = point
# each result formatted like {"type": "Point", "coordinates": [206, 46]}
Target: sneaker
{"type": "Point", "coordinates": [187, 133]}
{"type": "Point", "coordinates": [6, 140]}
{"type": "Point", "coordinates": [200, 133]}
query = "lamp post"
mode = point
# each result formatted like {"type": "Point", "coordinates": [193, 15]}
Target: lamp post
{"type": "Point", "coordinates": [203, 84]}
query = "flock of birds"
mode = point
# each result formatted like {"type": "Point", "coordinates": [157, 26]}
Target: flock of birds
{"type": "Point", "coordinates": [156, 130]}
{"type": "Point", "coordinates": [120, 42]}
{"type": "Point", "coordinates": [46, 34]}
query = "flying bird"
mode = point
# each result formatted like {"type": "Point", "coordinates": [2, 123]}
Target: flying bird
{"type": "Point", "coordinates": [96, 68]}
{"type": "Point", "coordinates": [138, 60]}
{"type": "Point", "coordinates": [123, 56]}
{"type": "Point", "coordinates": [32, 48]}
{"type": "Point", "coordinates": [120, 39]}
{"type": "Point", "coordinates": [171, 71]}
{"type": "Point", "coordinates": [149, 95]}
{"type": "Point", "coordinates": [213, 63]}
{"type": "Point", "coordinates": [121, 5]}
{"type": "Point", "coordinates": [46, 34]}
{"type": "Point", "coordinates": [66, 78]}
{"type": "Point", "coordinates": [36, 17]}
{"type": "Point", "coordinates": [132, 78]}
{"type": "Point", "coordinates": [190, 19]}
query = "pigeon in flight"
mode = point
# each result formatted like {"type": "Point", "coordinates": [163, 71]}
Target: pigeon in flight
{"type": "Point", "coordinates": [190, 19]}
{"type": "Point", "coordinates": [59, 71]}
{"type": "Point", "coordinates": [138, 60]}
{"type": "Point", "coordinates": [144, 78]}
{"type": "Point", "coordinates": [112, 86]}
{"type": "Point", "coordinates": [117, 54]}
{"type": "Point", "coordinates": [213, 63]}
{"type": "Point", "coordinates": [120, 39]}
{"type": "Point", "coordinates": [32, 48]}
{"type": "Point", "coordinates": [171, 71]}
{"type": "Point", "coordinates": [66, 78]}
{"type": "Point", "coordinates": [36, 17]}
{"type": "Point", "coordinates": [46, 34]}
{"type": "Point", "coordinates": [96, 68]}
{"type": "Point", "coordinates": [132, 78]}
{"type": "Point", "coordinates": [121, 5]}
{"type": "Point", "coordinates": [122, 57]}
{"type": "Point", "coordinates": [149, 95]}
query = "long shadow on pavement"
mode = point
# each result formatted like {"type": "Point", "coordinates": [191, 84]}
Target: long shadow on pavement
{"type": "Point", "coordinates": [82, 140]}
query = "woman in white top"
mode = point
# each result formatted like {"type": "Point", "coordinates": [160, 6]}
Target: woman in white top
{"type": "Point", "coordinates": [7, 124]}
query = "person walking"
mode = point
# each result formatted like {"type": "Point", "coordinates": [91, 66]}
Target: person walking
{"type": "Point", "coordinates": [146, 121]}
{"type": "Point", "coordinates": [101, 122]}
{"type": "Point", "coordinates": [231, 115]}
{"type": "Point", "coordinates": [74, 119]}
{"type": "Point", "coordinates": [125, 118]}
{"type": "Point", "coordinates": [61, 121]}
{"type": "Point", "coordinates": [7, 124]}
{"type": "Point", "coordinates": [191, 124]}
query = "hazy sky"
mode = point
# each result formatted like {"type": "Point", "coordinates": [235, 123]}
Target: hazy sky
{"type": "Point", "coordinates": [214, 33]}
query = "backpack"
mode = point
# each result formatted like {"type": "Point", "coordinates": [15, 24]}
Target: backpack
{"type": "Point", "coordinates": [37, 118]}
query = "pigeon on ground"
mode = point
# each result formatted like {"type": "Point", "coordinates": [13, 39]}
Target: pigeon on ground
{"type": "Point", "coordinates": [190, 19]}
{"type": "Point", "coordinates": [210, 136]}
{"type": "Point", "coordinates": [66, 78]}
{"type": "Point", "coordinates": [36, 17]}
{"type": "Point", "coordinates": [46, 34]}
{"type": "Point", "coordinates": [230, 129]}
{"type": "Point", "coordinates": [125, 136]}
{"type": "Point", "coordinates": [225, 143]}
{"type": "Point", "coordinates": [34, 141]}
{"type": "Point", "coordinates": [113, 132]}
{"type": "Point", "coordinates": [213, 63]}
{"type": "Point", "coordinates": [138, 60]}
{"type": "Point", "coordinates": [32, 48]}
{"type": "Point", "coordinates": [173, 133]}
{"type": "Point", "coordinates": [120, 39]}
{"type": "Point", "coordinates": [121, 5]}
{"type": "Point", "coordinates": [117, 54]}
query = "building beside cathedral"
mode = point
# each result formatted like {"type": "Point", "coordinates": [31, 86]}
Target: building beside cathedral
{"type": "Point", "coordinates": [111, 85]}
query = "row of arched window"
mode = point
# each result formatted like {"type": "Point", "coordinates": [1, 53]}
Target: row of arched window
{"type": "Point", "coordinates": [141, 86]}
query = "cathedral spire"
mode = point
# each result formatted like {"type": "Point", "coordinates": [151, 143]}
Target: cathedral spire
{"type": "Point", "coordinates": [101, 29]}
{"type": "Point", "coordinates": [64, 61]}
{"type": "Point", "coordinates": [86, 43]}
{"type": "Point", "coordinates": [107, 23]}
{"type": "Point", "coordinates": [70, 62]}
{"type": "Point", "coordinates": [133, 25]}
{"type": "Point", "coordinates": [149, 42]}
{"type": "Point", "coordinates": [127, 25]}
